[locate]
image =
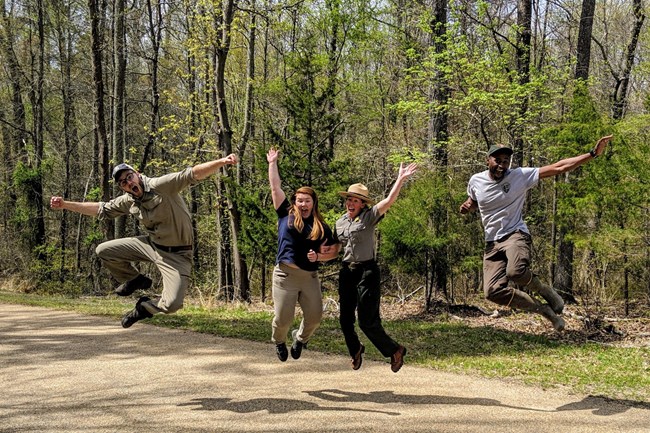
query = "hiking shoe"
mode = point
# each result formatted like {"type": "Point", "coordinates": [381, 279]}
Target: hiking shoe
{"type": "Point", "coordinates": [138, 313]}
{"type": "Point", "coordinates": [139, 282]}
{"type": "Point", "coordinates": [557, 322]}
{"type": "Point", "coordinates": [397, 360]}
{"type": "Point", "coordinates": [281, 351]}
{"type": "Point", "coordinates": [358, 358]}
{"type": "Point", "coordinates": [548, 293]}
{"type": "Point", "coordinates": [297, 346]}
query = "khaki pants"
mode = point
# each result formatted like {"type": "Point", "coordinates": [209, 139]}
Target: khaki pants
{"type": "Point", "coordinates": [176, 269]}
{"type": "Point", "coordinates": [292, 285]}
{"type": "Point", "coordinates": [506, 260]}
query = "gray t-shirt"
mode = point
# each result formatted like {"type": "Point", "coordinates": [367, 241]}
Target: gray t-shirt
{"type": "Point", "coordinates": [161, 210]}
{"type": "Point", "coordinates": [358, 235]}
{"type": "Point", "coordinates": [501, 203]}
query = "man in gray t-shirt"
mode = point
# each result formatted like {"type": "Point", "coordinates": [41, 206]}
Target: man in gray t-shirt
{"type": "Point", "coordinates": [498, 193]}
{"type": "Point", "coordinates": [162, 213]}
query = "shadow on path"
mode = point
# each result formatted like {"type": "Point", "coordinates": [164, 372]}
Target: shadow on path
{"type": "Point", "coordinates": [271, 405]}
{"type": "Point", "coordinates": [386, 397]}
{"type": "Point", "coordinates": [604, 406]}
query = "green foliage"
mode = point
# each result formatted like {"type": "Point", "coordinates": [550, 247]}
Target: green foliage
{"type": "Point", "coordinates": [95, 194]}
{"type": "Point", "coordinates": [260, 236]}
{"type": "Point", "coordinates": [416, 224]}
{"type": "Point", "coordinates": [26, 178]}
{"type": "Point", "coordinates": [347, 90]}
{"type": "Point", "coordinates": [26, 182]}
{"type": "Point", "coordinates": [584, 126]}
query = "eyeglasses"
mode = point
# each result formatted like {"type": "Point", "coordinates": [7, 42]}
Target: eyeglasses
{"type": "Point", "coordinates": [125, 180]}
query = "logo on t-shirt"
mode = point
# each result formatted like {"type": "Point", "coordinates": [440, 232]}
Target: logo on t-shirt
{"type": "Point", "coordinates": [505, 187]}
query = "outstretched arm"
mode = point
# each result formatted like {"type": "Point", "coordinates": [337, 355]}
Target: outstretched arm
{"type": "Point", "coordinates": [571, 163]}
{"type": "Point", "coordinates": [404, 173]}
{"type": "Point", "coordinates": [277, 194]}
{"type": "Point", "coordinates": [86, 208]}
{"type": "Point", "coordinates": [206, 169]}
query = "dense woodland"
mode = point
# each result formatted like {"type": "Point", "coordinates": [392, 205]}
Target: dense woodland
{"type": "Point", "coordinates": [346, 90]}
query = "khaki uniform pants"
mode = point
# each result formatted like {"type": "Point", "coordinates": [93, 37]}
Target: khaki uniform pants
{"type": "Point", "coordinates": [176, 269]}
{"type": "Point", "coordinates": [506, 260]}
{"type": "Point", "coordinates": [292, 285]}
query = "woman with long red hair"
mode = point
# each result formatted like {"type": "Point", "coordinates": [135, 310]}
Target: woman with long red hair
{"type": "Point", "coordinates": [301, 229]}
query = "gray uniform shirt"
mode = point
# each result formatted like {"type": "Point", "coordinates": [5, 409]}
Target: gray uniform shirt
{"type": "Point", "coordinates": [357, 236]}
{"type": "Point", "coordinates": [161, 210]}
{"type": "Point", "coordinates": [501, 203]}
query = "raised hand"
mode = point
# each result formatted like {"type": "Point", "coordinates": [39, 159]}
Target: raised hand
{"type": "Point", "coordinates": [601, 144]}
{"type": "Point", "coordinates": [231, 159]}
{"type": "Point", "coordinates": [56, 202]}
{"type": "Point", "coordinates": [272, 155]}
{"type": "Point", "coordinates": [408, 171]}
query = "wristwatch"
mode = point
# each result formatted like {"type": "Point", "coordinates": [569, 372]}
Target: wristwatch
{"type": "Point", "coordinates": [593, 153]}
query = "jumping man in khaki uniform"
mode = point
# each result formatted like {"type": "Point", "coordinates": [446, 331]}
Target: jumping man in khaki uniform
{"type": "Point", "coordinates": [162, 212]}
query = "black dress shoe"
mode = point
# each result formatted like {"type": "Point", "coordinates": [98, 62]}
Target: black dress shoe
{"type": "Point", "coordinates": [138, 313]}
{"type": "Point", "coordinates": [358, 358]}
{"type": "Point", "coordinates": [297, 346]}
{"type": "Point", "coordinates": [281, 350]}
{"type": "Point", "coordinates": [296, 349]}
{"type": "Point", "coordinates": [138, 283]}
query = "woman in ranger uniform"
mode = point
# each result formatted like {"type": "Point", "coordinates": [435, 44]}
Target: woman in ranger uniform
{"type": "Point", "coordinates": [359, 277]}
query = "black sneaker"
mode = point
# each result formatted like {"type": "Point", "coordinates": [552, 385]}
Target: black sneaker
{"type": "Point", "coordinates": [297, 346]}
{"type": "Point", "coordinates": [139, 282]}
{"type": "Point", "coordinates": [281, 350]}
{"type": "Point", "coordinates": [138, 313]}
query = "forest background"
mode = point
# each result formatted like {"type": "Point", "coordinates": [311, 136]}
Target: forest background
{"type": "Point", "coordinates": [346, 90]}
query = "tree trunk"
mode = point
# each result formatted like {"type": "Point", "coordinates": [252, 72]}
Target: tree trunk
{"type": "Point", "coordinates": [438, 138]}
{"type": "Point", "coordinates": [155, 16]}
{"type": "Point", "coordinates": [101, 139]}
{"type": "Point", "coordinates": [439, 118]}
{"type": "Point", "coordinates": [563, 282]}
{"type": "Point", "coordinates": [119, 98]}
{"type": "Point", "coordinates": [620, 90]}
{"type": "Point", "coordinates": [332, 122]}
{"type": "Point", "coordinates": [524, 16]}
{"type": "Point", "coordinates": [71, 156]}
{"type": "Point", "coordinates": [241, 283]}
{"type": "Point", "coordinates": [584, 39]}
{"type": "Point", "coordinates": [38, 227]}
{"type": "Point", "coordinates": [18, 138]}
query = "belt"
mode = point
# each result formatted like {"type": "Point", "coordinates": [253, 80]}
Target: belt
{"type": "Point", "coordinates": [354, 265]}
{"type": "Point", "coordinates": [172, 249]}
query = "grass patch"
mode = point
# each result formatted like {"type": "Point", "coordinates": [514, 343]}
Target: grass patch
{"type": "Point", "coordinates": [613, 372]}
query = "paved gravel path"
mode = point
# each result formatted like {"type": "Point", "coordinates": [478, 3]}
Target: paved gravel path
{"type": "Point", "coordinates": [65, 372]}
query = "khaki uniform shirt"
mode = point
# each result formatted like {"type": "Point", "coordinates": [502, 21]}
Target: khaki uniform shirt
{"type": "Point", "coordinates": [161, 210]}
{"type": "Point", "coordinates": [358, 236]}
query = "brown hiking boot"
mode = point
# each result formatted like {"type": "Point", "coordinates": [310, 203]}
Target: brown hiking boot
{"type": "Point", "coordinates": [397, 360]}
{"type": "Point", "coordinates": [358, 358]}
{"type": "Point", "coordinates": [548, 293]}
{"type": "Point", "coordinates": [523, 301]}
{"type": "Point", "coordinates": [556, 321]}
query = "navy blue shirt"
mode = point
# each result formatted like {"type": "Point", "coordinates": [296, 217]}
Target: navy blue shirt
{"type": "Point", "coordinates": [293, 245]}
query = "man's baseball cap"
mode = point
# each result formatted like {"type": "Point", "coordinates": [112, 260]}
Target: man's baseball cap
{"type": "Point", "coordinates": [120, 168]}
{"type": "Point", "coordinates": [499, 148]}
